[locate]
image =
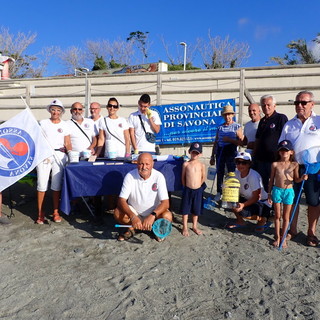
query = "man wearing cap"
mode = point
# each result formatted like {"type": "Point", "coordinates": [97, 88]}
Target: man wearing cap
{"type": "Point", "coordinates": [143, 198]}
{"type": "Point", "coordinates": [143, 123]}
{"type": "Point", "coordinates": [304, 133]}
{"type": "Point", "coordinates": [82, 130]}
{"type": "Point", "coordinates": [267, 136]}
{"type": "Point", "coordinates": [57, 133]}
{"type": "Point", "coordinates": [253, 202]}
{"type": "Point", "coordinates": [229, 136]}
{"type": "Point", "coordinates": [251, 127]}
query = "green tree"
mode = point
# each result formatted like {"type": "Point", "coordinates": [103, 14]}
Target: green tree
{"type": "Point", "coordinates": [141, 40]}
{"type": "Point", "coordinates": [300, 52]}
{"type": "Point", "coordinates": [99, 64]}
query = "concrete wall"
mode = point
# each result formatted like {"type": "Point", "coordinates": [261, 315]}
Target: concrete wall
{"type": "Point", "coordinates": [164, 88]}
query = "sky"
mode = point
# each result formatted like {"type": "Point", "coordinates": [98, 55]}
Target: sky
{"type": "Point", "coordinates": [266, 25]}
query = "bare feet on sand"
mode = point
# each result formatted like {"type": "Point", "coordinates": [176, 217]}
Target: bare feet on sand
{"type": "Point", "coordinates": [185, 232]}
{"type": "Point", "coordinates": [196, 231]}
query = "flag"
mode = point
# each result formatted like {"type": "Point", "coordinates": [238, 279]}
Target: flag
{"type": "Point", "coordinates": [22, 147]}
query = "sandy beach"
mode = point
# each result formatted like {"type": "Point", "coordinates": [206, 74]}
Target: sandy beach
{"type": "Point", "coordinates": [76, 270]}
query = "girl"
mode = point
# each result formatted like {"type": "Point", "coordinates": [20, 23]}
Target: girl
{"type": "Point", "coordinates": [283, 173]}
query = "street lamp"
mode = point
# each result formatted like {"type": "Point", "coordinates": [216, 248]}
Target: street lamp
{"type": "Point", "coordinates": [185, 55]}
{"type": "Point", "coordinates": [86, 103]}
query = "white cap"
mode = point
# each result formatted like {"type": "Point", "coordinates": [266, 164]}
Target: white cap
{"type": "Point", "coordinates": [243, 155]}
{"type": "Point", "coordinates": [56, 102]}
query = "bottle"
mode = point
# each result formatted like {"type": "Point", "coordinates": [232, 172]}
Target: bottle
{"type": "Point", "coordinates": [211, 174]}
{"type": "Point", "coordinates": [230, 191]}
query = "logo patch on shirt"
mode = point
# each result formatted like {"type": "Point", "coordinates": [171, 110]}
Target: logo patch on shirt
{"type": "Point", "coordinates": [155, 187]}
{"type": "Point", "coordinates": [60, 130]}
{"type": "Point", "coordinates": [246, 186]}
{"type": "Point", "coordinates": [120, 125]}
{"type": "Point", "coordinates": [313, 128]}
{"type": "Point", "coordinates": [272, 125]}
{"type": "Point", "coordinates": [86, 125]}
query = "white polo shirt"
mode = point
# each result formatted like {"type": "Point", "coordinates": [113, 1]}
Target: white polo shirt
{"type": "Point", "coordinates": [79, 140]}
{"type": "Point", "coordinates": [55, 132]}
{"type": "Point", "coordinates": [305, 137]}
{"type": "Point", "coordinates": [134, 122]}
{"type": "Point", "coordinates": [144, 195]}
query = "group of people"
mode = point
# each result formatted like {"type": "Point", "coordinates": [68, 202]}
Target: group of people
{"type": "Point", "coordinates": [96, 135]}
{"type": "Point", "coordinates": [272, 168]}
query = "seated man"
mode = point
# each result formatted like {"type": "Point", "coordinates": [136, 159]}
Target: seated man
{"type": "Point", "coordinates": [143, 198]}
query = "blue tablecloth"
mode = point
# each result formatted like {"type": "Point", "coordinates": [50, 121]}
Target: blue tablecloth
{"type": "Point", "coordinates": [86, 179]}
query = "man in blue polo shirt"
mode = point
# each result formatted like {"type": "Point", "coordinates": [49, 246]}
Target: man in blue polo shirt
{"type": "Point", "coordinates": [267, 137]}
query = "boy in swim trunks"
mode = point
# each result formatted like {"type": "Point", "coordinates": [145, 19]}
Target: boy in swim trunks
{"type": "Point", "coordinates": [283, 173]}
{"type": "Point", "coordinates": [193, 177]}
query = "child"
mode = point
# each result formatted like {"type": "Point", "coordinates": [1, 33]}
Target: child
{"type": "Point", "coordinates": [193, 177]}
{"type": "Point", "coordinates": [283, 173]}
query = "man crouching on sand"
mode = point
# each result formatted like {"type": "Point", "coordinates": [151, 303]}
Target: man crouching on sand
{"type": "Point", "coordinates": [143, 198]}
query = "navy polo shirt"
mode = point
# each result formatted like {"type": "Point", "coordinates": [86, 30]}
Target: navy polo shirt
{"type": "Point", "coordinates": [268, 133]}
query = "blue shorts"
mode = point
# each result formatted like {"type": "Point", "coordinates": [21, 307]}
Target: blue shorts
{"type": "Point", "coordinates": [281, 195]}
{"type": "Point", "coordinates": [192, 201]}
{"type": "Point", "coordinates": [311, 188]}
{"type": "Point", "coordinates": [259, 208]}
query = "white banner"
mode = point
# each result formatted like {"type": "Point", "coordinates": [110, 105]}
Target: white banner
{"type": "Point", "coordinates": [22, 147]}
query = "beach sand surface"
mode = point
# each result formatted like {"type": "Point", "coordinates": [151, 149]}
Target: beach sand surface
{"type": "Point", "coordinates": [76, 270]}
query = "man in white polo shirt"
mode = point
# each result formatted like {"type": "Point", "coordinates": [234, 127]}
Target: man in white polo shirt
{"type": "Point", "coordinates": [82, 131]}
{"type": "Point", "coordinates": [143, 198]}
{"type": "Point", "coordinates": [142, 123]}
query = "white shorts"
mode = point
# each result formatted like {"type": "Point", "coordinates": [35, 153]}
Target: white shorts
{"type": "Point", "coordinates": [136, 213]}
{"type": "Point", "coordinates": [51, 165]}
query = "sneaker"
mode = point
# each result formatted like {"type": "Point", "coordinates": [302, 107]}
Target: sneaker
{"type": "Point", "coordinates": [217, 197]}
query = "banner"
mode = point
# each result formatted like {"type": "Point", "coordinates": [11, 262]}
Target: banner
{"type": "Point", "coordinates": [189, 122]}
{"type": "Point", "coordinates": [22, 147]}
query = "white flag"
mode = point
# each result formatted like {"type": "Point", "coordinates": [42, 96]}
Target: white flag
{"type": "Point", "coordinates": [22, 147]}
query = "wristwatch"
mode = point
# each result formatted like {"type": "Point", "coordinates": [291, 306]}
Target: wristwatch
{"type": "Point", "coordinates": [153, 214]}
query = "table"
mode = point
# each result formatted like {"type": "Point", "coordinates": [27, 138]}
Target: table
{"type": "Point", "coordinates": [85, 179]}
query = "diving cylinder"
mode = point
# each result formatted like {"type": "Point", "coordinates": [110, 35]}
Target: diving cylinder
{"type": "Point", "coordinates": [230, 191]}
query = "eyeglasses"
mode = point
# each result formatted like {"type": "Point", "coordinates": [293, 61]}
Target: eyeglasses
{"type": "Point", "coordinates": [242, 162]}
{"type": "Point", "coordinates": [112, 106]}
{"type": "Point", "coordinates": [77, 109]}
{"type": "Point", "coordinates": [303, 103]}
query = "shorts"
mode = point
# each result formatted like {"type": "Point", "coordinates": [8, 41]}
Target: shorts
{"type": "Point", "coordinates": [142, 217]}
{"type": "Point", "coordinates": [281, 195]}
{"type": "Point", "coordinates": [311, 188]}
{"type": "Point", "coordinates": [257, 209]}
{"type": "Point", "coordinates": [192, 201]}
{"type": "Point", "coordinates": [48, 166]}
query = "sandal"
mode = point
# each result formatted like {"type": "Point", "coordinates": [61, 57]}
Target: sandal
{"type": "Point", "coordinates": [56, 218]}
{"type": "Point", "coordinates": [312, 241]}
{"type": "Point", "coordinates": [40, 220]}
{"type": "Point", "coordinates": [127, 235]}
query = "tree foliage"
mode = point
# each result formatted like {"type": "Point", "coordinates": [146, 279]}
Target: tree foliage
{"type": "Point", "coordinates": [140, 39]}
{"type": "Point", "coordinates": [300, 52]}
{"type": "Point", "coordinates": [222, 53]}
{"type": "Point", "coordinates": [99, 64]}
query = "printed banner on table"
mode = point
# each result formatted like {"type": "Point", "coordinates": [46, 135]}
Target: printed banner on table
{"type": "Point", "coordinates": [189, 122]}
{"type": "Point", "coordinates": [22, 147]}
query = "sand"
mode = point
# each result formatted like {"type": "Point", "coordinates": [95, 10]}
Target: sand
{"type": "Point", "coordinates": [75, 270]}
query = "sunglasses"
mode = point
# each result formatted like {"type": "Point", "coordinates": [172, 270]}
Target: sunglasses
{"type": "Point", "coordinates": [303, 103]}
{"type": "Point", "coordinates": [112, 106]}
{"type": "Point", "coordinates": [77, 109]}
{"type": "Point", "coordinates": [242, 162]}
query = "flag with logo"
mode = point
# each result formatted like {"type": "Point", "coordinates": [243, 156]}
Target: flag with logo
{"type": "Point", "coordinates": [22, 147]}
